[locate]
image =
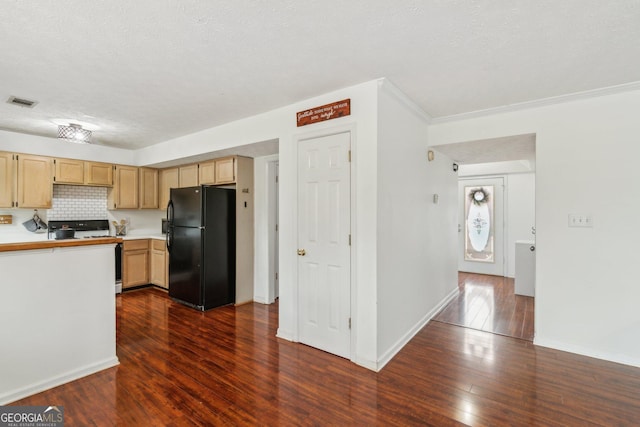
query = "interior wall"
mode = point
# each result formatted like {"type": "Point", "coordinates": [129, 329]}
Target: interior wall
{"type": "Point", "coordinates": [586, 155]}
{"type": "Point", "coordinates": [263, 258]}
{"type": "Point", "coordinates": [280, 125]}
{"type": "Point", "coordinates": [521, 214]}
{"type": "Point", "coordinates": [54, 147]}
{"type": "Point", "coordinates": [417, 238]}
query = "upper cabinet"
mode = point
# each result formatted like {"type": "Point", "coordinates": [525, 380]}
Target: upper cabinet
{"type": "Point", "coordinates": [218, 171]}
{"type": "Point", "coordinates": [7, 180]}
{"type": "Point", "coordinates": [148, 188]}
{"type": "Point", "coordinates": [210, 172]}
{"type": "Point", "coordinates": [98, 174]}
{"type": "Point", "coordinates": [207, 172]}
{"type": "Point", "coordinates": [133, 188]}
{"type": "Point", "coordinates": [26, 181]}
{"type": "Point", "coordinates": [226, 170]}
{"type": "Point", "coordinates": [188, 175]}
{"type": "Point", "coordinates": [35, 181]}
{"type": "Point", "coordinates": [68, 171]}
{"type": "Point", "coordinates": [78, 172]}
{"type": "Point", "coordinates": [124, 194]}
{"type": "Point", "coordinates": [168, 179]}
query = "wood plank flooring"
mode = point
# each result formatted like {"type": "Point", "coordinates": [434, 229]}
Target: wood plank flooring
{"type": "Point", "coordinates": [225, 367]}
{"type": "Point", "coordinates": [488, 303]}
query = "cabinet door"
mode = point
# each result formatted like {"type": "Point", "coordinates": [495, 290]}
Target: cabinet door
{"type": "Point", "coordinates": [169, 178]}
{"type": "Point", "coordinates": [225, 171]}
{"type": "Point", "coordinates": [158, 266]}
{"type": "Point", "coordinates": [135, 263]}
{"type": "Point", "coordinates": [69, 171]}
{"type": "Point", "coordinates": [148, 188]}
{"type": "Point", "coordinates": [207, 172]}
{"type": "Point", "coordinates": [100, 174]}
{"type": "Point", "coordinates": [35, 181]}
{"type": "Point", "coordinates": [135, 270]}
{"type": "Point", "coordinates": [7, 179]}
{"type": "Point", "coordinates": [188, 176]}
{"type": "Point", "coordinates": [124, 194]}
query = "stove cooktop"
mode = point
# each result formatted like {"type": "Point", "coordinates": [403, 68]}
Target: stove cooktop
{"type": "Point", "coordinates": [84, 229]}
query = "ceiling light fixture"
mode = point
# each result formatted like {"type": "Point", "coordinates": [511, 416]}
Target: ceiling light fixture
{"type": "Point", "coordinates": [74, 133]}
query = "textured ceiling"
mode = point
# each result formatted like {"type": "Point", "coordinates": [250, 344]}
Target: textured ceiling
{"type": "Point", "coordinates": [145, 71]}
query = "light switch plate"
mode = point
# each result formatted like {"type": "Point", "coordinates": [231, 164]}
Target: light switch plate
{"type": "Point", "coordinates": [580, 220]}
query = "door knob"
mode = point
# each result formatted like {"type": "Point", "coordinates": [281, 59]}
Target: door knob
{"type": "Point", "coordinates": [302, 252]}
{"type": "Point", "coordinates": [532, 248]}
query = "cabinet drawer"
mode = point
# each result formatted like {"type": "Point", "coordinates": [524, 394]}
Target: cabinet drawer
{"type": "Point", "coordinates": [132, 245]}
{"type": "Point", "coordinates": [157, 245]}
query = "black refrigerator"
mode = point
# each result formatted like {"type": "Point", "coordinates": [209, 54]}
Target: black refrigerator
{"type": "Point", "coordinates": [201, 233]}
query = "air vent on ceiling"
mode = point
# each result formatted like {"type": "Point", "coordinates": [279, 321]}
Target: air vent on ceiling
{"type": "Point", "coordinates": [21, 102]}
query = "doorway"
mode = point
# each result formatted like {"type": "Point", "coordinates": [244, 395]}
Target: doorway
{"type": "Point", "coordinates": [487, 299]}
{"type": "Point", "coordinates": [481, 226]}
{"type": "Point", "coordinates": [488, 303]}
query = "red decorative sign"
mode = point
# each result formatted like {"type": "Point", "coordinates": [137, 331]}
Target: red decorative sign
{"type": "Point", "coordinates": [324, 112]}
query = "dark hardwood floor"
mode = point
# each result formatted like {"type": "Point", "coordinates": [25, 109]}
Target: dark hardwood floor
{"type": "Point", "coordinates": [226, 367]}
{"type": "Point", "coordinates": [487, 303]}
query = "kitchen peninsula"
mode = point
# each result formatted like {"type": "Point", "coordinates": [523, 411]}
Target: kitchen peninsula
{"type": "Point", "coordinates": [57, 310]}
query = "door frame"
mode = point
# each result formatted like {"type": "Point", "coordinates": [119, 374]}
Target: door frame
{"type": "Point", "coordinates": [297, 138]}
{"type": "Point", "coordinates": [505, 219]}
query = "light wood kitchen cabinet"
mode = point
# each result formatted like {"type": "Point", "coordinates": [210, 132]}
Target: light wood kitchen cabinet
{"type": "Point", "coordinates": [168, 179]}
{"type": "Point", "coordinates": [78, 172]}
{"type": "Point", "coordinates": [35, 181]}
{"type": "Point", "coordinates": [159, 269]}
{"type": "Point", "coordinates": [225, 170]}
{"type": "Point", "coordinates": [148, 188]}
{"type": "Point", "coordinates": [188, 175]}
{"type": "Point", "coordinates": [135, 263]}
{"type": "Point", "coordinates": [68, 171]}
{"type": "Point", "coordinates": [98, 174]}
{"type": "Point", "coordinates": [124, 194]}
{"type": "Point", "coordinates": [207, 172]}
{"type": "Point", "coordinates": [7, 179]}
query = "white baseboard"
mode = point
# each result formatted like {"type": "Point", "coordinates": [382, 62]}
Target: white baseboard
{"type": "Point", "coordinates": [260, 300]}
{"type": "Point", "coordinates": [616, 358]}
{"type": "Point", "coordinates": [365, 363]}
{"type": "Point", "coordinates": [389, 354]}
{"type": "Point", "coordinates": [285, 335]}
{"type": "Point", "coordinates": [31, 389]}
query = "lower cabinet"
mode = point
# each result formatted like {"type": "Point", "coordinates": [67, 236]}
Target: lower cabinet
{"type": "Point", "coordinates": [159, 268]}
{"type": "Point", "coordinates": [135, 263]}
{"type": "Point", "coordinates": [145, 261]}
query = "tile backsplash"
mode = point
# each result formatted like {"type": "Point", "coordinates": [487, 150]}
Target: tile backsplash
{"type": "Point", "coordinates": [75, 202]}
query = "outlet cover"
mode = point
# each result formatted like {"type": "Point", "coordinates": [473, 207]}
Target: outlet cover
{"type": "Point", "coordinates": [580, 220]}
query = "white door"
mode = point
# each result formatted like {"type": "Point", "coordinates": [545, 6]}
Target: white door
{"type": "Point", "coordinates": [481, 226]}
{"type": "Point", "coordinates": [324, 266]}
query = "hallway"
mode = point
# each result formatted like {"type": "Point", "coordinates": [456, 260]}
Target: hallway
{"type": "Point", "coordinates": [487, 303]}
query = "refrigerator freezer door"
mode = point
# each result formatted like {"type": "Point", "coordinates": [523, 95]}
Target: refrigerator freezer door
{"type": "Point", "coordinates": [186, 207]}
{"type": "Point", "coordinates": [184, 265]}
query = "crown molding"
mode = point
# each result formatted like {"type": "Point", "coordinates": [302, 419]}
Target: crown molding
{"type": "Point", "coordinates": [392, 89]}
{"type": "Point", "coordinates": [609, 90]}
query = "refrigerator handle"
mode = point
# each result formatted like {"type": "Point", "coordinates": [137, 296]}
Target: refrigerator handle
{"type": "Point", "coordinates": [170, 213]}
{"type": "Point", "coordinates": [168, 238]}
